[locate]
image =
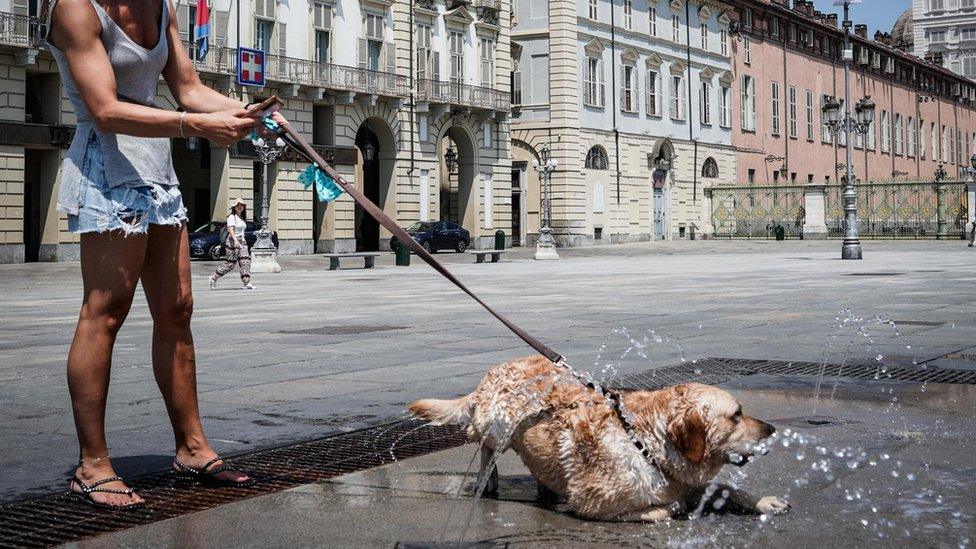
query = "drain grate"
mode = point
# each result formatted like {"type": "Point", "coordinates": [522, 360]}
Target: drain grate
{"type": "Point", "coordinates": [342, 330]}
{"type": "Point", "coordinates": [56, 519]}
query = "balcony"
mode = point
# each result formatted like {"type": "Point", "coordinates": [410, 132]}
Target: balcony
{"type": "Point", "coordinates": [489, 4]}
{"type": "Point", "coordinates": [18, 30]}
{"type": "Point", "coordinates": [222, 60]}
{"type": "Point", "coordinates": [463, 95]}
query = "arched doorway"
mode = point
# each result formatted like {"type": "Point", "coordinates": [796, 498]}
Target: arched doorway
{"type": "Point", "coordinates": [458, 201]}
{"type": "Point", "coordinates": [377, 155]}
{"type": "Point", "coordinates": [661, 166]}
{"type": "Point", "coordinates": [526, 200]}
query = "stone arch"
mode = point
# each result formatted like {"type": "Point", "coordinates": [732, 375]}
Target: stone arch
{"type": "Point", "coordinates": [530, 203]}
{"type": "Point", "coordinates": [459, 197]}
{"type": "Point", "coordinates": [375, 168]}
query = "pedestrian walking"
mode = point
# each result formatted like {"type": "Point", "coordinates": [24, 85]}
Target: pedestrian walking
{"type": "Point", "coordinates": [236, 247]}
{"type": "Point", "coordinates": [121, 194]}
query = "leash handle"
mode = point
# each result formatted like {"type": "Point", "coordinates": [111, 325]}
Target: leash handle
{"type": "Point", "coordinates": [296, 141]}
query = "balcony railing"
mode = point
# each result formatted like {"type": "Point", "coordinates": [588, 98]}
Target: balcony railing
{"type": "Point", "coordinates": [18, 30]}
{"type": "Point", "coordinates": [490, 4]}
{"type": "Point", "coordinates": [453, 93]}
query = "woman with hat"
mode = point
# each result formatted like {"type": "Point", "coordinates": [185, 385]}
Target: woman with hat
{"type": "Point", "coordinates": [236, 246]}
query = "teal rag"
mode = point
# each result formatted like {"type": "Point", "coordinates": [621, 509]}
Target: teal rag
{"type": "Point", "coordinates": [325, 186]}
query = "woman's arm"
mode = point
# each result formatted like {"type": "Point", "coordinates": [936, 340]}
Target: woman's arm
{"type": "Point", "coordinates": [233, 234]}
{"type": "Point", "coordinates": [76, 30]}
{"type": "Point", "coordinates": [184, 81]}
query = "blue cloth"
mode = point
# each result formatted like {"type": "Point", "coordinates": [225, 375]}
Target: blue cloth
{"type": "Point", "coordinates": [325, 187]}
{"type": "Point", "coordinates": [130, 208]}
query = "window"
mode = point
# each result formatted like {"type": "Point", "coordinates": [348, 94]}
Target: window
{"type": "Point", "coordinates": [937, 36]}
{"type": "Point", "coordinates": [262, 34]}
{"type": "Point", "coordinates": [746, 51]}
{"type": "Point", "coordinates": [872, 135]}
{"type": "Point", "coordinates": [371, 47]}
{"type": "Point", "coordinates": [791, 97]}
{"type": "Point", "coordinates": [487, 134]}
{"type": "Point", "coordinates": [457, 57]}
{"type": "Point", "coordinates": [774, 27]}
{"type": "Point", "coordinates": [748, 104]}
{"type": "Point", "coordinates": [592, 11]}
{"type": "Point", "coordinates": [723, 39]}
{"type": "Point", "coordinates": [792, 33]}
{"type": "Point", "coordinates": [652, 20]}
{"type": "Point", "coordinates": [898, 139]}
{"type": "Point", "coordinates": [935, 143]}
{"type": "Point", "coordinates": [959, 142]}
{"type": "Point", "coordinates": [677, 98]}
{"type": "Point", "coordinates": [487, 62]}
{"type": "Point", "coordinates": [596, 159]}
{"type": "Point", "coordinates": [910, 141]}
{"type": "Point", "coordinates": [516, 88]}
{"type": "Point", "coordinates": [747, 18]}
{"type": "Point", "coordinates": [967, 33]}
{"type": "Point", "coordinates": [705, 103]}
{"type": "Point", "coordinates": [704, 36]}
{"type": "Point", "coordinates": [936, 5]}
{"type": "Point", "coordinates": [885, 132]}
{"type": "Point", "coordinates": [653, 93]}
{"type": "Point", "coordinates": [967, 4]}
{"type": "Point", "coordinates": [628, 93]}
{"type": "Point", "coordinates": [825, 136]}
{"type": "Point", "coordinates": [710, 168]}
{"type": "Point", "coordinates": [969, 67]}
{"type": "Point", "coordinates": [858, 140]}
{"type": "Point", "coordinates": [725, 100]}
{"type": "Point", "coordinates": [810, 118]}
{"type": "Point", "coordinates": [322, 23]}
{"type": "Point", "coordinates": [424, 56]}
{"type": "Point", "coordinates": [774, 96]}
{"type": "Point", "coordinates": [921, 139]}
{"type": "Point", "coordinates": [593, 88]}
{"type": "Point", "coordinates": [675, 28]}
{"type": "Point", "coordinates": [628, 7]}
{"type": "Point", "coordinates": [424, 127]}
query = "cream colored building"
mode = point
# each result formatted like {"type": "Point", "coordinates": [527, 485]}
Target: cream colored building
{"type": "Point", "coordinates": [634, 99]}
{"type": "Point", "coordinates": [383, 90]}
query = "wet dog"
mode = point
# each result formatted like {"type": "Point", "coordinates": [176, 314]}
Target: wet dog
{"type": "Point", "coordinates": [575, 445]}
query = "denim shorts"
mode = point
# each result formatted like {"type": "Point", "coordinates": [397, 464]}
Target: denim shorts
{"type": "Point", "coordinates": [130, 208]}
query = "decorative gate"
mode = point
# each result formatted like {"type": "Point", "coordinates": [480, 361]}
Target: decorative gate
{"type": "Point", "coordinates": [893, 209]}
{"type": "Point", "coordinates": [756, 212]}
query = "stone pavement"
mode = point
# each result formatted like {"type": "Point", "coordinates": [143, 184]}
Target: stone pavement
{"type": "Point", "coordinates": [894, 469]}
{"type": "Point", "coordinates": [313, 352]}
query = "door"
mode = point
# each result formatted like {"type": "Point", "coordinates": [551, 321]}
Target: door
{"type": "Point", "coordinates": [438, 237]}
{"type": "Point", "coordinates": [658, 213]}
{"type": "Point", "coordinates": [516, 208]}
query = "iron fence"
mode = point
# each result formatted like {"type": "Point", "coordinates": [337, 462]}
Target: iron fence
{"type": "Point", "coordinates": [18, 30]}
{"type": "Point", "coordinates": [902, 209]}
{"type": "Point", "coordinates": [454, 93]}
{"type": "Point", "coordinates": [758, 211]}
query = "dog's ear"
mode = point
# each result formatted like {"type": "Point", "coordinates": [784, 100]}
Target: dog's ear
{"type": "Point", "coordinates": [688, 433]}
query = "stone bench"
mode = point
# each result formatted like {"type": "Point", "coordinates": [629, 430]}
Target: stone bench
{"type": "Point", "coordinates": [368, 257]}
{"type": "Point", "coordinates": [480, 255]}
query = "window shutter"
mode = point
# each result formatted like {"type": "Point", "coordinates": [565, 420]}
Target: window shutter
{"type": "Point", "coordinates": [752, 94]}
{"type": "Point", "coordinates": [648, 85]}
{"type": "Point", "coordinates": [659, 91]}
{"type": "Point", "coordinates": [743, 107]}
{"type": "Point", "coordinates": [323, 16]}
{"type": "Point", "coordinates": [221, 29]}
{"type": "Point", "coordinates": [435, 66]}
{"type": "Point", "coordinates": [182, 16]}
{"type": "Point", "coordinates": [422, 54]}
{"type": "Point", "coordinates": [517, 87]}
{"type": "Point", "coordinates": [485, 73]}
{"type": "Point", "coordinates": [363, 53]}
{"type": "Point", "coordinates": [623, 89]}
{"type": "Point", "coordinates": [390, 49]}
{"type": "Point", "coordinates": [282, 39]}
{"type": "Point", "coordinates": [603, 88]}
{"type": "Point", "coordinates": [21, 7]}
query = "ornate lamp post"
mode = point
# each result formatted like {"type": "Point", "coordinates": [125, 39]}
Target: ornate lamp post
{"type": "Point", "coordinates": [264, 255]}
{"type": "Point", "coordinates": [838, 121]}
{"type": "Point", "coordinates": [545, 248]}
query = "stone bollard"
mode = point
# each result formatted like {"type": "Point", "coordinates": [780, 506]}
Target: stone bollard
{"type": "Point", "coordinates": [814, 206]}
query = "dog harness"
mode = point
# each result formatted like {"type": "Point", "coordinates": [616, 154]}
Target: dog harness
{"type": "Point", "coordinates": [326, 180]}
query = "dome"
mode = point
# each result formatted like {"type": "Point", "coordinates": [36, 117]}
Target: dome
{"type": "Point", "coordinates": [903, 33]}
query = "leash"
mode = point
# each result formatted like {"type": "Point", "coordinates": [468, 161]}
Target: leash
{"type": "Point", "coordinates": [294, 140]}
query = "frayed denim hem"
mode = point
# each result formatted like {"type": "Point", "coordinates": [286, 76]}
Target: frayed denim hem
{"type": "Point", "coordinates": [130, 210]}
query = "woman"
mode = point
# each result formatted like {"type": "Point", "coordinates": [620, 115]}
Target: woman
{"type": "Point", "coordinates": [236, 246]}
{"type": "Point", "coordinates": [120, 192]}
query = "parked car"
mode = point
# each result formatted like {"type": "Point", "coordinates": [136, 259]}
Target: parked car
{"type": "Point", "coordinates": [205, 241]}
{"type": "Point", "coordinates": [440, 235]}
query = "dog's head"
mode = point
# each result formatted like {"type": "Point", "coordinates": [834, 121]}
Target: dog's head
{"type": "Point", "coordinates": [705, 423]}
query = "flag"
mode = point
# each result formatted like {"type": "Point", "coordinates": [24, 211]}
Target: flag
{"type": "Point", "coordinates": [201, 29]}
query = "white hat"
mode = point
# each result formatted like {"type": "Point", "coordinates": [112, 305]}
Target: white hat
{"type": "Point", "coordinates": [237, 201]}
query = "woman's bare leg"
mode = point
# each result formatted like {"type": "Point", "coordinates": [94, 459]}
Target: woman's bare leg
{"type": "Point", "coordinates": [166, 281]}
{"type": "Point", "coordinates": [110, 268]}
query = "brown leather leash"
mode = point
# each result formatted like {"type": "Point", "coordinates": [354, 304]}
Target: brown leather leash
{"type": "Point", "coordinates": [297, 142]}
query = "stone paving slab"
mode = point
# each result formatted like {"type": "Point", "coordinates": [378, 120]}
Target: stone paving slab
{"type": "Point", "coordinates": [750, 299]}
{"type": "Point", "coordinates": [911, 487]}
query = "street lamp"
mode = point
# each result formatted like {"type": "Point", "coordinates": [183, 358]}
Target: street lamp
{"type": "Point", "coordinates": [837, 118]}
{"type": "Point", "coordinates": [545, 248]}
{"type": "Point", "coordinates": [264, 255]}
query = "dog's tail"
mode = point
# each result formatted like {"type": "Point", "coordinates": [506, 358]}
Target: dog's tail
{"type": "Point", "coordinates": [443, 412]}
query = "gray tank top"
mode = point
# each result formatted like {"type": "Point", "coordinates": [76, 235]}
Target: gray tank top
{"type": "Point", "coordinates": [127, 160]}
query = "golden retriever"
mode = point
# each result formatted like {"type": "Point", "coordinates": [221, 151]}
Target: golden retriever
{"type": "Point", "coordinates": [572, 441]}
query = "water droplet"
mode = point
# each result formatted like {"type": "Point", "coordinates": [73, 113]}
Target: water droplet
{"type": "Point", "coordinates": [864, 522]}
{"type": "Point", "coordinates": [763, 517]}
{"type": "Point", "coordinates": [894, 474]}
{"type": "Point", "coordinates": [910, 476]}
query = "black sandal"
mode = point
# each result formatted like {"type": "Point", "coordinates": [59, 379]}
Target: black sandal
{"type": "Point", "coordinates": [206, 475]}
{"type": "Point", "coordinates": [88, 489]}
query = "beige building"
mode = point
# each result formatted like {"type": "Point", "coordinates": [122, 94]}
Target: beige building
{"type": "Point", "coordinates": [383, 90]}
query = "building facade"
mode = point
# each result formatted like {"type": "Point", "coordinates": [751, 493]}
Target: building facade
{"type": "Point", "coordinates": [787, 61]}
{"type": "Point", "coordinates": [633, 98]}
{"type": "Point", "coordinates": [383, 88]}
{"type": "Point", "coordinates": [945, 33]}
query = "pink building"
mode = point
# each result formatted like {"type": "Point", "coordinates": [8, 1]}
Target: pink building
{"type": "Point", "coordinates": [788, 60]}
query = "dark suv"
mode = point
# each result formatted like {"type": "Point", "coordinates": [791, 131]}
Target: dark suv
{"type": "Point", "coordinates": [442, 235]}
{"type": "Point", "coordinates": [205, 241]}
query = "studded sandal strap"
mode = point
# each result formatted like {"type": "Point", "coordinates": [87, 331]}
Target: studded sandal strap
{"type": "Point", "coordinates": [206, 466]}
{"type": "Point", "coordinates": [126, 492]}
{"type": "Point", "coordinates": [197, 470]}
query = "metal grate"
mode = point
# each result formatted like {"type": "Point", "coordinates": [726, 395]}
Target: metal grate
{"type": "Point", "coordinates": [56, 519]}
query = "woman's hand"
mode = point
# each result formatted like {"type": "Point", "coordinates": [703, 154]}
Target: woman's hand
{"type": "Point", "coordinates": [223, 128]}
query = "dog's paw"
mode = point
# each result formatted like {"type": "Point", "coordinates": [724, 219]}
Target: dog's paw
{"type": "Point", "coordinates": [772, 505]}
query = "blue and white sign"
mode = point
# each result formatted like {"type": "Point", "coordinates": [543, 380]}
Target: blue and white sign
{"type": "Point", "coordinates": [250, 67]}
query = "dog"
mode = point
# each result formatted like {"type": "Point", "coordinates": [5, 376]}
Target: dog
{"type": "Point", "coordinates": [571, 439]}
